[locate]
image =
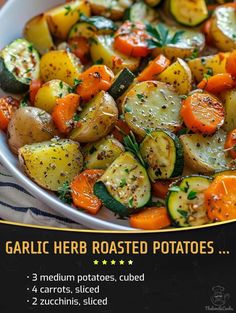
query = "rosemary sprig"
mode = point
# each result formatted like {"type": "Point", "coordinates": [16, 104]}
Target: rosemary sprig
{"type": "Point", "coordinates": [132, 146]}
{"type": "Point", "coordinates": [161, 37]}
{"type": "Point", "coordinates": [64, 193]}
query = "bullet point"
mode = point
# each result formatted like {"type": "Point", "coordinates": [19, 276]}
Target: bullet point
{"type": "Point", "coordinates": [27, 288]}
{"type": "Point", "coordinates": [27, 276]}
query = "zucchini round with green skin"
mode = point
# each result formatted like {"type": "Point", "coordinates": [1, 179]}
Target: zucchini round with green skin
{"type": "Point", "coordinates": [19, 64]}
{"type": "Point", "coordinates": [140, 11]}
{"type": "Point", "coordinates": [127, 182]}
{"type": "Point", "coordinates": [121, 84]}
{"type": "Point", "coordinates": [88, 26]}
{"type": "Point", "coordinates": [189, 13]}
{"type": "Point", "coordinates": [163, 153]}
{"type": "Point", "coordinates": [152, 105]}
{"type": "Point", "coordinates": [185, 201]}
{"type": "Point", "coordinates": [101, 154]}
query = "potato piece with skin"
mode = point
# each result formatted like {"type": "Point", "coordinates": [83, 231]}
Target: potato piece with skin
{"type": "Point", "coordinates": [97, 119]}
{"type": "Point", "coordinates": [223, 28]}
{"type": "Point", "coordinates": [102, 49]}
{"type": "Point", "coordinates": [215, 63]}
{"type": "Point", "coordinates": [36, 31]}
{"type": "Point", "coordinates": [152, 105]}
{"type": "Point", "coordinates": [61, 65]}
{"type": "Point", "coordinates": [48, 94]}
{"type": "Point", "coordinates": [112, 9]}
{"type": "Point", "coordinates": [229, 99]}
{"type": "Point", "coordinates": [191, 41]}
{"type": "Point", "coordinates": [205, 154]}
{"type": "Point", "coordinates": [179, 76]}
{"type": "Point", "coordinates": [101, 154]}
{"type": "Point", "coordinates": [29, 125]}
{"type": "Point", "coordinates": [51, 163]}
{"type": "Point", "coordinates": [62, 18]}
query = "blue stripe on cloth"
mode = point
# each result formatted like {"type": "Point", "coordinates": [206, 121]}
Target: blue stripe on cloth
{"type": "Point", "coordinates": [37, 212]}
{"type": "Point", "coordinates": [8, 184]}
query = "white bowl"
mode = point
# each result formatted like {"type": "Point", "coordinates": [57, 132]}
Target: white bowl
{"type": "Point", "coordinates": [13, 17]}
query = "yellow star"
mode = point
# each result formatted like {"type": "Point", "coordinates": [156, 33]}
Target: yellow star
{"type": "Point", "coordinates": [95, 262]}
{"type": "Point", "coordinates": [130, 262]}
{"type": "Point", "coordinates": [113, 262]}
{"type": "Point", "coordinates": [122, 262]}
{"type": "Point", "coordinates": [104, 262]}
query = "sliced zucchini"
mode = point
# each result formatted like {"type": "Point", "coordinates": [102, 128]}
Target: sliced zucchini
{"type": "Point", "coordinates": [127, 182]}
{"type": "Point", "coordinates": [122, 82]}
{"type": "Point", "coordinates": [101, 154]}
{"type": "Point", "coordinates": [141, 12]}
{"type": "Point", "coordinates": [213, 63]}
{"type": "Point", "coordinates": [223, 28]}
{"type": "Point", "coordinates": [205, 154]}
{"type": "Point", "coordinates": [19, 64]}
{"type": "Point", "coordinates": [178, 75]}
{"type": "Point", "coordinates": [88, 26]}
{"type": "Point", "coordinates": [102, 51]}
{"type": "Point", "coordinates": [163, 153]}
{"type": "Point", "coordinates": [189, 13]}
{"type": "Point", "coordinates": [191, 41]}
{"type": "Point", "coordinates": [229, 98]}
{"type": "Point", "coordinates": [62, 18]}
{"type": "Point", "coordinates": [152, 105]}
{"type": "Point", "coordinates": [37, 31]}
{"type": "Point", "coordinates": [185, 201]}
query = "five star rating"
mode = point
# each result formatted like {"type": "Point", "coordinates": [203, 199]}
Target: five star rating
{"type": "Point", "coordinates": [113, 262]}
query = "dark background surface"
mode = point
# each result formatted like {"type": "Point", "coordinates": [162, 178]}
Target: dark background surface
{"type": "Point", "coordinates": [173, 283]}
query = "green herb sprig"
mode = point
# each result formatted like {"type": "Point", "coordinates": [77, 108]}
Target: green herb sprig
{"type": "Point", "coordinates": [64, 193]}
{"type": "Point", "coordinates": [161, 37]}
{"type": "Point", "coordinates": [132, 146]}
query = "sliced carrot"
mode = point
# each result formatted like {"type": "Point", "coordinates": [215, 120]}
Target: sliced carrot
{"type": "Point", "coordinates": [35, 85]}
{"type": "Point", "coordinates": [64, 111]}
{"type": "Point", "coordinates": [93, 80]}
{"type": "Point", "coordinates": [120, 130]}
{"type": "Point", "coordinates": [81, 48]}
{"type": "Point", "coordinates": [131, 39]}
{"type": "Point", "coordinates": [155, 67]}
{"type": "Point", "coordinates": [82, 191]}
{"type": "Point", "coordinates": [230, 143]}
{"type": "Point", "coordinates": [231, 64]}
{"type": "Point", "coordinates": [150, 219]}
{"type": "Point", "coordinates": [160, 188]}
{"type": "Point", "coordinates": [220, 198]}
{"type": "Point", "coordinates": [8, 105]}
{"type": "Point", "coordinates": [217, 83]}
{"type": "Point", "coordinates": [202, 113]}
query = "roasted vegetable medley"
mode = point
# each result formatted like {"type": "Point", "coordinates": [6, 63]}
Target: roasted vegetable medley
{"type": "Point", "coordinates": [128, 106]}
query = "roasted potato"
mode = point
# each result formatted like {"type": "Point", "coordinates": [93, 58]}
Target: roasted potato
{"type": "Point", "coordinates": [61, 65]}
{"type": "Point", "coordinates": [52, 163]}
{"type": "Point", "coordinates": [113, 9]}
{"type": "Point", "coordinates": [29, 125]}
{"type": "Point", "coordinates": [191, 40]}
{"type": "Point", "coordinates": [102, 48]}
{"type": "Point", "coordinates": [205, 154]}
{"type": "Point", "coordinates": [179, 76]}
{"type": "Point", "coordinates": [48, 94]}
{"type": "Point", "coordinates": [215, 63]}
{"type": "Point", "coordinates": [101, 154]}
{"type": "Point", "coordinates": [97, 119]}
{"type": "Point", "coordinates": [62, 18]}
{"type": "Point", "coordinates": [223, 28]}
{"type": "Point", "coordinates": [37, 32]}
{"type": "Point", "coordinates": [229, 99]}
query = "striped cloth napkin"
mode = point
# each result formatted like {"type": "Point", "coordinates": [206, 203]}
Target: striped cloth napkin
{"type": "Point", "coordinates": [18, 205]}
